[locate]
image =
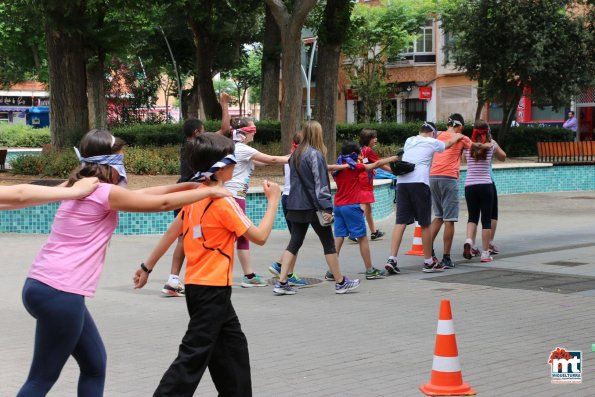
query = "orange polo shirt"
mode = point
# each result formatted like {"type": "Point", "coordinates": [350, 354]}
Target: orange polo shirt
{"type": "Point", "coordinates": [448, 162]}
{"type": "Point", "coordinates": [210, 229]}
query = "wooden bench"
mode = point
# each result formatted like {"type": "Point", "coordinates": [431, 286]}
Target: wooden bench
{"type": "Point", "coordinates": [3, 153]}
{"type": "Point", "coordinates": [582, 152]}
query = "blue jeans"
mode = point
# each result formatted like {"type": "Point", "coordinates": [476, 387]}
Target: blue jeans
{"type": "Point", "coordinates": [64, 328]}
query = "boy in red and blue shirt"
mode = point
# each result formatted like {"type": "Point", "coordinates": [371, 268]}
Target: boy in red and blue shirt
{"type": "Point", "coordinates": [349, 217]}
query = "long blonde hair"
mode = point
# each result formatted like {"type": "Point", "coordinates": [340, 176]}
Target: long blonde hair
{"type": "Point", "coordinates": [311, 136]}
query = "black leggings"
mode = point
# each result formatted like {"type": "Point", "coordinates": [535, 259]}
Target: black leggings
{"type": "Point", "coordinates": [298, 233]}
{"type": "Point", "coordinates": [479, 200]}
{"type": "Point", "coordinates": [495, 203]}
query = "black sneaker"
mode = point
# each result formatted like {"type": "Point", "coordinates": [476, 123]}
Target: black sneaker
{"type": "Point", "coordinates": [391, 267]}
{"type": "Point", "coordinates": [447, 263]}
{"type": "Point", "coordinates": [377, 235]}
{"type": "Point", "coordinates": [433, 268]}
{"type": "Point", "coordinates": [353, 240]}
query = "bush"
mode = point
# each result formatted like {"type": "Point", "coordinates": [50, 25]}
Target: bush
{"type": "Point", "coordinates": [21, 135]}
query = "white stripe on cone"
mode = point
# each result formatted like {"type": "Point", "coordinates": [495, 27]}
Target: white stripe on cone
{"type": "Point", "coordinates": [446, 364]}
{"type": "Point", "coordinates": [417, 241]}
{"type": "Point", "coordinates": [445, 327]}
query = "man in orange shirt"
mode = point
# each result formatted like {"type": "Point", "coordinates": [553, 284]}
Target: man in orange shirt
{"type": "Point", "coordinates": [214, 338]}
{"type": "Point", "coordinates": [444, 184]}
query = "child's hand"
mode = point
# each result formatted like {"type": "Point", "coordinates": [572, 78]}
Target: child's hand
{"type": "Point", "coordinates": [85, 186]}
{"type": "Point", "coordinates": [140, 278]}
{"type": "Point", "coordinates": [219, 191]}
{"type": "Point", "coordinates": [271, 190]}
{"type": "Point", "coordinates": [224, 98]}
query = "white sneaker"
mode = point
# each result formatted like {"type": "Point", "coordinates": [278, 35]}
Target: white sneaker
{"type": "Point", "coordinates": [173, 290]}
{"type": "Point", "coordinates": [486, 257]}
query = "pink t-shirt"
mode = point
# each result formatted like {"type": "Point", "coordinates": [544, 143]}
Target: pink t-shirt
{"type": "Point", "coordinates": [72, 259]}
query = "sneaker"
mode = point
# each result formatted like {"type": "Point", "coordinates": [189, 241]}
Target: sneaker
{"type": "Point", "coordinates": [281, 289]}
{"type": "Point", "coordinates": [467, 251]}
{"type": "Point", "coordinates": [294, 280]}
{"type": "Point", "coordinates": [485, 257]}
{"type": "Point", "coordinates": [447, 263]}
{"type": "Point", "coordinates": [475, 252]}
{"type": "Point", "coordinates": [433, 268]}
{"type": "Point", "coordinates": [373, 273]}
{"type": "Point", "coordinates": [328, 276]}
{"type": "Point", "coordinates": [494, 250]}
{"type": "Point", "coordinates": [256, 281]}
{"type": "Point", "coordinates": [377, 235]}
{"type": "Point", "coordinates": [353, 240]}
{"type": "Point", "coordinates": [391, 267]}
{"type": "Point", "coordinates": [275, 269]}
{"type": "Point", "coordinates": [170, 290]}
{"type": "Point", "coordinates": [347, 285]}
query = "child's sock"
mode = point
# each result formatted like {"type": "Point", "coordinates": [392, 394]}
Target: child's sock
{"type": "Point", "coordinates": [342, 281]}
{"type": "Point", "coordinates": [250, 276]}
{"type": "Point", "coordinates": [429, 261]}
{"type": "Point", "coordinates": [173, 279]}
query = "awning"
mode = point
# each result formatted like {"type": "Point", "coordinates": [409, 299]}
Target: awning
{"type": "Point", "coordinates": [14, 108]}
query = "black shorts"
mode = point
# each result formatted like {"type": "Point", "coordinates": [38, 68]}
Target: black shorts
{"type": "Point", "coordinates": [414, 203]}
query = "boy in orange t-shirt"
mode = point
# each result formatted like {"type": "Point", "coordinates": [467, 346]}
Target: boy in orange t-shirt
{"type": "Point", "coordinates": [444, 185]}
{"type": "Point", "coordinates": [214, 338]}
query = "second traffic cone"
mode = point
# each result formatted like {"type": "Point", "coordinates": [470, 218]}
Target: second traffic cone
{"type": "Point", "coordinates": [417, 248]}
{"type": "Point", "coordinates": [447, 378]}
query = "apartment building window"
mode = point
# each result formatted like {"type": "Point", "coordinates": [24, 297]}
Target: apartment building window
{"type": "Point", "coordinates": [422, 49]}
{"type": "Point", "coordinates": [415, 109]}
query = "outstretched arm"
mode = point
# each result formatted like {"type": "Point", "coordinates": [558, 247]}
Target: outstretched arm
{"type": "Point", "coordinates": [122, 199]}
{"type": "Point", "coordinates": [141, 277]}
{"type": "Point", "coordinates": [270, 160]}
{"type": "Point", "coordinates": [259, 234]}
{"type": "Point", "coordinates": [381, 163]}
{"type": "Point", "coordinates": [25, 195]}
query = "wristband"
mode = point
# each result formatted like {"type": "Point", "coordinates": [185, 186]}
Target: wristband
{"type": "Point", "coordinates": [145, 269]}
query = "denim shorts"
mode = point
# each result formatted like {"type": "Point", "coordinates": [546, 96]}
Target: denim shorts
{"type": "Point", "coordinates": [445, 198]}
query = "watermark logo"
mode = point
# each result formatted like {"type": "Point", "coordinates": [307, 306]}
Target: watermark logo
{"type": "Point", "coordinates": [566, 366]}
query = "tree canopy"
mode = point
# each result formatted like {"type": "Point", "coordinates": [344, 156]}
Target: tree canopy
{"type": "Point", "coordinates": [510, 46]}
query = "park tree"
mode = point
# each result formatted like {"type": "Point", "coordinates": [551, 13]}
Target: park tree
{"type": "Point", "coordinates": [511, 46]}
{"type": "Point", "coordinates": [245, 76]}
{"type": "Point", "coordinates": [290, 18]}
{"type": "Point", "coordinates": [220, 29]}
{"type": "Point", "coordinates": [22, 45]}
{"type": "Point", "coordinates": [378, 34]}
{"type": "Point", "coordinates": [332, 31]}
{"type": "Point", "coordinates": [270, 68]}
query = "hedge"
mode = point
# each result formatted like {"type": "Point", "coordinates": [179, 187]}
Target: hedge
{"type": "Point", "coordinates": [520, 142]}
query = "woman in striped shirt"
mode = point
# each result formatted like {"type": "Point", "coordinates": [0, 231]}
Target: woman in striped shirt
{"type": "Point", "coordinates": [479, 190]}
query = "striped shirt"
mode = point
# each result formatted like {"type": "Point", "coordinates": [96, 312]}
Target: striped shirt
{"type": "Point", "coordinates": [479, 171]}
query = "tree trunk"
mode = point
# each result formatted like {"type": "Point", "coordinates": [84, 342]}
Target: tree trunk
{"type": "Point", "coordinates": [271, 61]}
{"type": "Point", "coordinates": [96, 92]}
{"type": "Point", "coordinates": [205, 54]}
{"type": "Point", "coordinates": [291, 26]}
{"type": "Point", "coordinates": [480, 99]}
{"type": "Point", "coordinates": [191, 102]}
{"type": "Point", "coordinates": [327, 78]}
{"type": "Point", "coordinates": [509, 114]}
{"type": "Point", "coordinates": [331, 35]}
{"type": "Point", "coordinates": [291, 102]}
{"type": "Point", "coordinates": [69, 117]}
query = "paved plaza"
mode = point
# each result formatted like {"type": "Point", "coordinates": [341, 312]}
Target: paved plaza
{"type": "Point", "coordinates": [537, 295]}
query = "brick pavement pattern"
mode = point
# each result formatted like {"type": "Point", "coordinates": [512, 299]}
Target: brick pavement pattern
{"type": "Point", "coordinates": [378, 341]}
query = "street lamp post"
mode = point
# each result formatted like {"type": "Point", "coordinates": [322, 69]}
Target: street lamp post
{"type": "Point", "coordinates": [308, 78]}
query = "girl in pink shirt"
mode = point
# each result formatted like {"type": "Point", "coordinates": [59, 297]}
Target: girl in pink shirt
{"type": "Point", "coordinates": [68, 266]}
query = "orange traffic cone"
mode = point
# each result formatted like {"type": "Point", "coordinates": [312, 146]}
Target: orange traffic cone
{"type": "Point", "coordinates": [447, 379]}
{"type": "Point", "coordinates": [417, 248]}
